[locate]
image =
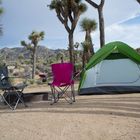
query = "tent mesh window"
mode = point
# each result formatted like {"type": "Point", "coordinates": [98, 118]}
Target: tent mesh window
{"type": "Point", "coordinates": [116, 56]}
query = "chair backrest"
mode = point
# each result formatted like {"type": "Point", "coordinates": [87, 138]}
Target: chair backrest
{"type": "Point", "coordinates": [4, 82]}
{"type": "Point", "coordinates": [62, 72]}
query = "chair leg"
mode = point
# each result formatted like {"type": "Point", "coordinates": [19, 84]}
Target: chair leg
{"type": "Point", "coordinates": [69, 98]}
{"type": "Point", "coordinates": [73, 93]}
{"type": "Point", "coordinates": [66, 95]}
{"type": "Point", "coordinates": [19, 96]}
{"type": "Point", "coordinates": [7, 102]}
{"type": "Point", "coordinates": [53, 98]}
{"type": "Point", "coordinates": [24, 101]}
{"type": "Point", "coordinates": [16, 103]}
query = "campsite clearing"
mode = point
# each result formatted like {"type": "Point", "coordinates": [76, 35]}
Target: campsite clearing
{"type": "Point", "coordinates": [99, 117]}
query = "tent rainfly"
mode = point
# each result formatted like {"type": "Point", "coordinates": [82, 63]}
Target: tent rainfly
{"type": "Point", "coordinates": [115, 68]}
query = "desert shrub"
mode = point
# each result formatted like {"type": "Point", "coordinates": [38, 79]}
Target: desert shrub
{"type": "Point", "coordinates": [11, 70]}
{"type": "Point", "coordinates": [16, 74]}
{"type": "Point", "coordinates": [78, 67]}
{"type": "Point", "coordinates": [27, 62]}
{"type": "Point", "coordinates": [39, 82]}
{"type": "Point", "coordinates": [31, 81]}
{"type": "Point", "coordinates": [37, 72]}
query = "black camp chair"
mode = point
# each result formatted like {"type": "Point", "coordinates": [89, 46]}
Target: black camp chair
{"type": "Point", "coordinates": [12, 95]}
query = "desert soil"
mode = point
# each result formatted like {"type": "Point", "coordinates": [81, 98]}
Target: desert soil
{"type": "Point", "coordinates": [96, 117]}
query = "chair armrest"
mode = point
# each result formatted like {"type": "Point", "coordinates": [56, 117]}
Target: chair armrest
{"type": "Point", "coordinates": [76, 74]}
{"type": "Point", "coordinates": [25, 76]}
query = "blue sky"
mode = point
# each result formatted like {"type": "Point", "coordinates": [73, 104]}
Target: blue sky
{"type": "Point", "coordinates": [21, 17]}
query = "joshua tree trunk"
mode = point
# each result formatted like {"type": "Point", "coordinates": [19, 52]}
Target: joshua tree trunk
{"type": "Point", "coordinates": [88, 39]}
{"type": "Point", "coordinates": [138, 1]}
{"type": "Point", "coordinates": [101, 26]}
{"type": "Point", "coordinates": [34, 64]}
{"type": "Point", "coordinates": [68, 12]}
{"type": "Point", "coordinates": [71, 47]}
{"type": "Point", "coordinates": [101, 19]}
{"type": "Point", "coordinates": [91, 47]}
{"type": "Point", "coordinates": [83, 60]}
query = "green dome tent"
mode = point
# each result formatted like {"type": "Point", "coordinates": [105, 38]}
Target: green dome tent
{"type": "Point", "coordinates": [113, 68]}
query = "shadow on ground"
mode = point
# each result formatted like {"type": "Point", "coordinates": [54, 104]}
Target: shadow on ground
{"type": "Point", "coordinates": [126, 105]}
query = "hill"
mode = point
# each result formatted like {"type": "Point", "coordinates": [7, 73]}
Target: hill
{"type": "Point", "coordinates": [13, 54]}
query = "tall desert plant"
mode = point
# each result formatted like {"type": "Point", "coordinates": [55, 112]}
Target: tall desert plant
{"type": "Point", "coordinates": [86, 52]}
{"type": "Point", "coordinates": [99, 7]}
{"type": "Point", "coordinates": [88, 26]}
{"type": "Point", "coordinates": [32, 46]}
{"type": "Point", "coordinates": [1, 12]}
{"type": "Point", "coordinates": [68, 13]}
{"type": "Point", "coordinates": [138, 1]}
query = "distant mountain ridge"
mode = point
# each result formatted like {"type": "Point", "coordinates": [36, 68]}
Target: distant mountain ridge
{"type": "Point", "coordinates": [12, 54]}
{"type": "Point", "coordinates": [42, 52]}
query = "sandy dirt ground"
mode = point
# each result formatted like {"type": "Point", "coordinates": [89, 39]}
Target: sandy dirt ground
{"type": "Point", "coordinates": [96, 117]}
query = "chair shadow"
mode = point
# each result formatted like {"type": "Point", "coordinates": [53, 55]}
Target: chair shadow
{"type": "Point", "coordinates": [126, 106]}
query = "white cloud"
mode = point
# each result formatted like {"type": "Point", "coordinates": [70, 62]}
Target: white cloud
{"type": "Point", "coordinates": [127, 33]}
{"type": "Point", "coordinates": [33, 15]}
{"type": "Point", "coordinates": [115, 10]}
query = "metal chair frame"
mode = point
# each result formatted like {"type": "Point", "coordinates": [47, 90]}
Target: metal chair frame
{"type": "Point", "coordinates": [8, 89]}
{"type": "Point", "coordinates": [57, 94]}
{"type": "Point", "coordinates": [58, 91]}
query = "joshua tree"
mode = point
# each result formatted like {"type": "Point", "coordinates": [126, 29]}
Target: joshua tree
{"type": "Point", "coordinates": [76, 46]}
{"type": "Point", "coordinates": [34, 37]}
{"type": "Point", "coordinates": [1, 11]}
{"type": "Point", "coordinates": [99, 7]}
{"type": "Point", "coordinates": [86, 52]}
{"type": "Point", "coordinates": [138, 1]}
{"type": "Point", "coordinates": [20, 58]}
{"type": "Point", "coordinates": [68, 12]}
{"type": "Point", "coordinates": [88, 26]}
{"type": "Point", "coordinates": [60, 56]}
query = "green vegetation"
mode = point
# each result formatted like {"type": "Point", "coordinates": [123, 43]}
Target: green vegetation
{"type": "Point", "coordinates": [20, 64]}
{"type": "Point", "coordinates": [88, 26]}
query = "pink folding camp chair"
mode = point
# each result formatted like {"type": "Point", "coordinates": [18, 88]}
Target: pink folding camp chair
{"type": "Point", "coordinates": [62, 81]}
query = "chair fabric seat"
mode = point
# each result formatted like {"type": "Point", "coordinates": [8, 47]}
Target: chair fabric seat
{"type": "Point", "coordinates": [12, 87]}
{"type": "Point", "coordinates": [62, 80]}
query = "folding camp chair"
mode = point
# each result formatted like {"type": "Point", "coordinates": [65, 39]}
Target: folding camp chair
{"type": "Point", "coordinates": [12, 95]}
{"type": "Point", "coordinates": [62, 81]}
